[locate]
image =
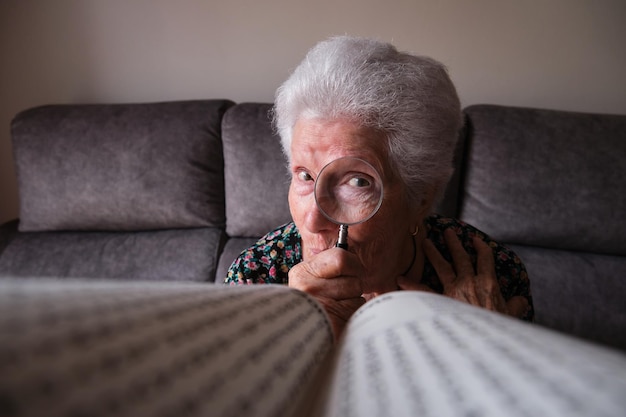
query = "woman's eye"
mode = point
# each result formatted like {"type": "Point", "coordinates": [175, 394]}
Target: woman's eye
{"type": "Point", "coordinates": [304, 176]}
{"type": "Point", "coordinates": [359, 182]}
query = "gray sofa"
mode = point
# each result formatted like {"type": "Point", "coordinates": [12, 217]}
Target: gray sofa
{"type": "Point", "coordinates": [174, 191]}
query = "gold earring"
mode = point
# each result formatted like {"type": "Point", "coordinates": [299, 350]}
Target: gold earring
{"type": "Point", "coordinates": [417, 229]}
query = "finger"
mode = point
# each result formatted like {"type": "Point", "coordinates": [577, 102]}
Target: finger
{"type": "Point", "coordinates": [336, 287]}
{"type": "Point", "coordinates": [407, 284]}
{"type": "Point", "coordinates": [334, 274]}
{"type": "Point", "coordinates": [517, 306]}
{"type": "Point", "coordinates": [460, 258]}
{"type": "Point", "coordinates": [336, 262]}
{"type": "Point", "coordinates": [485, 263]}
{"type": "Point", "coordinates": [444, 270]}
{"type": "Point", "coordinates": [486, 279]}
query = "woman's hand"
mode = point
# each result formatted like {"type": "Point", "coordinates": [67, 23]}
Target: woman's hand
{"type": "Point", "coordinates": [333, 277]}
{"type": "Point", "coordinates": [460, 281]}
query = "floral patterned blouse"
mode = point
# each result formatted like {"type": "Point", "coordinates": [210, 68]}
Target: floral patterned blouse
{"type": "Point", "coordinates": [271, 258]}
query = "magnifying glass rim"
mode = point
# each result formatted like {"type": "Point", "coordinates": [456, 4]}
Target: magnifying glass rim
{"type": "Point", "coordinates": [380, 198]}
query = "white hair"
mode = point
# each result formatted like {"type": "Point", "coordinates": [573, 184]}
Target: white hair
{"type": "Point", "coordinates": [411, 99]}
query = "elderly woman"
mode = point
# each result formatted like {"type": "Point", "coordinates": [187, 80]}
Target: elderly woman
{"type": "Point", "coordinates": [401, 114]}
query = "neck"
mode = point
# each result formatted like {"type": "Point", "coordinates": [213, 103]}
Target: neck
{"type": "Point", "coordinates": [416, 267]}
{"type": "Point", "coordinates": [414, 245]}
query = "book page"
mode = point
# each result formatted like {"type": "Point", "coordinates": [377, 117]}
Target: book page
{"type": "Point", "coordinates": [421, 354]}
{"type": "Point", "coordinates": [96, 348]}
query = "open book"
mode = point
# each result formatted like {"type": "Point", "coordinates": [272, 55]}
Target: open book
{"type": "Point", "coordinates": [71, 348]}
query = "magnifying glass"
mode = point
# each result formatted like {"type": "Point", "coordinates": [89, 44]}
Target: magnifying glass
{"type": "Point", "coordinates": [348, 191]}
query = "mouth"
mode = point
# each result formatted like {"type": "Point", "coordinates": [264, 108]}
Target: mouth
{"type": "Point", "coordinates": [315, 243]}
{"type": "Point", "coordinates": [317, 249]}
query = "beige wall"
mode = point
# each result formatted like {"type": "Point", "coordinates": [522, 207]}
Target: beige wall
{"type": "Point", "coordinates": [562, 54]}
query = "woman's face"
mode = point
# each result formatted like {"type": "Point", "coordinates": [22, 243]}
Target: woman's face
{"type": "Point", "coordinates": [383, 243]}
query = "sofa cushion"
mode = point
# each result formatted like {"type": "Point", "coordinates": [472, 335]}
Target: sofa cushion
{"type": "Point", "coordinates": [578, 293]}
{"type": "Point", "coordinates": [547, 178]}
{"type": "Point", "coordinates": [120, 166]}
{"type": "Point", "coordinates": [255, 172]}
{"type": "Point", "coordinates": [177, 254]}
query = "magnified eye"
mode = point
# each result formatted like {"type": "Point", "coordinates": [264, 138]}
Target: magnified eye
{"type": "Point", "coordinates": [304, 176]}
{"type": "Point", "coordinates": [359, 182]}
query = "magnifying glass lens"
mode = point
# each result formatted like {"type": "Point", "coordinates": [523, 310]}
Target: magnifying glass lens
{"type": "Point", "coordinates": [348, 191]}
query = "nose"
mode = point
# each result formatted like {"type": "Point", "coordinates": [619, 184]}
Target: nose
{"type": "Point", "coordinates": [315, 221]}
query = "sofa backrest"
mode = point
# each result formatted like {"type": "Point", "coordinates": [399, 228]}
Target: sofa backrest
{"type": "Point", "coordinates": [120, 167]}
{"type": "Point", "coordinates": [91, 177]}
{"type": "Point", "coordinates": [546, 178]}
{"type": "Point", "coordinates": [256, 176]}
